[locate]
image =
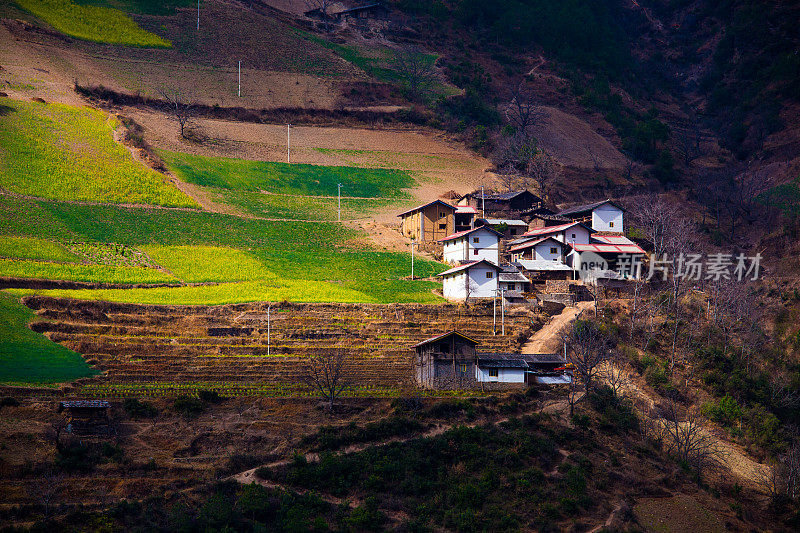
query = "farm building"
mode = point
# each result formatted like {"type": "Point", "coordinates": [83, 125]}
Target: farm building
{"type": "Point", "coordinates": [511, 228]}
{"type": "Point", "coordinates": [472, 245]}
{"type": "Point", "coordinates": [512, 283]}
{"type": "Point", "coordinates": [445, 361]}
{"type": "Point", "coordinates": [612, 248]}
{"type": "Point", "coordinates": [339, 12]}
{"type": "Point", "coordinates": [507, 202]}
{"type": "Point", "coordinates": [87, 417]}
{"type": "Point", "coordinates": [604, 215]}
{"type": "Point", "coordinates": [478, 279]}
{"type": "Point", "coordinates": [464, 218]}
{"type": "Point", "coordinates": [450, 361]}
{"type": "Point", "coordinates": [429, 222]}
{"type": "Point", "coordinates": [541, 217]}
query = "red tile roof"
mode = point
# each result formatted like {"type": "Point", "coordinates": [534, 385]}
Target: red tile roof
{"type": "Point", "coordinates": [554, 229]}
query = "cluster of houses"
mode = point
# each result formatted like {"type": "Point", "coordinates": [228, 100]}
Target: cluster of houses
{"type": "Point", "coordinates": [522, 247]}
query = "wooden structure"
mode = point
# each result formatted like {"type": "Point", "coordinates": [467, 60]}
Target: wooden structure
{"type": "Point", "coordinates": [429, 222]}
{"type": "Point", "coordinates": [445, 361]}
{"type": "Point", "coordinates": [87, 417]}
{"type": "Point", "coordinates": [501, 203]}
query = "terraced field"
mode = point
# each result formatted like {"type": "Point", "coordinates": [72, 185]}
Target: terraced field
{"type": "Point", "coordinates": [163, 350]}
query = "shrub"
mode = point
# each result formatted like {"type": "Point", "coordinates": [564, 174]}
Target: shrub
{"type": "Point", "coordinates": [189, 406]}
{"type": "Point", "coordinates": [139, 409]}
{"type": "Point", "coordinates": [726, 411]}
{"type": "Point", "coordinates": [8, 401]}
{"type": "Point", "coordinates": [210, 396]}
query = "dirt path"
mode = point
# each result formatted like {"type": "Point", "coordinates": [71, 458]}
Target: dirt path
{"type": "Point", "coordinates": [547, 339]}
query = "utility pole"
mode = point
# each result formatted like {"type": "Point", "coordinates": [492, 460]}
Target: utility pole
{"type": "Point", "coordinates": [503, 309]}
{"type": "Point", "coordinates": [494, 313]}
{"type": "Point", "coordinates": [483, 203]}
{"type": "Point", "coordinates": [339, 197]}
{"type": "Point", "coordinates": [198, 15]}
{"type": "Point", "coordinates": [288, 140]}
{"type": "Point", "coordinates": [240, 79]}
{"type": "Point", "coordinates": [412, 258]}
{"type": "Point", "coordinates": [268, 328]}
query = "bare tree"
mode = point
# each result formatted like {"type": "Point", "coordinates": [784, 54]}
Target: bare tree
{"type": "Point", "coordinates": [522, 111]}
{"type": "Point", "coordinates": [325, 372]}
{"type": "Point", "coordinates": [654, 215]}
{"type": "Point", "coordinates": [44, 489]}
{"type": "Point", "coordinates": [613, 373]}
{"type": "Point", "coordinates": [324, 9]}
{"type": "Point", "coordinates": [416, 69]}
{"type": "Point", "coordinates": [179, 105]}
{"type": "Point", "coordinates": [687, 440]}
{"type": "Point", "coordinates": [587, 349]}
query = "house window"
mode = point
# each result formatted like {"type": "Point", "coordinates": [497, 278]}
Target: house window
{"type": "Point", "coordinates": [443, 225]}
{"type": "Point", "coordinates": [444, 348]}
{"type": "Point", "coordinates": [463, 368]}
{"type": "Point", "coordinates": [610, 224]}
{"type": "Point", "coordinates": [493, 372]}
{"type": "Point", "coordinates": [553, 250]}
{"type": "Point", "coordinates": [513, 231]}
{"type": "Point", "coordinates": [476, 240]}
{"type": "Point", "coordinates": [474, 252]}
{"type": "Point", "coordinates": [573, 236]}
{"type": "Point", "coordinates": [489, 275]}
{"type": "Point", "coordinates": [442, 215]}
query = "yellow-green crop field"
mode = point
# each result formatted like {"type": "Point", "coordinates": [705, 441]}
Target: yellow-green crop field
{"type": "Point", "coordinates": [34, 249]}
{"type": "Point", "coordinates": [89, 273]}
{"type": "Point", "coordinates": [92, 23]}
{"type": "Point", "coordinates": [69, 153]}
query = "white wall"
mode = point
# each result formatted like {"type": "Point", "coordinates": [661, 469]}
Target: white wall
{"type": "Point", "coordinates": [607, 218]}
{"type": "Point", "coordinates": [504, 375]}
{"type": "Point", "coordinates": [464, 248]}
{"type": "Point", "coordinates": [581, 235]}
{"type": "Point", "coordinates": [542, 251]}
{"type": "Point", "coordinates": [454, 287]}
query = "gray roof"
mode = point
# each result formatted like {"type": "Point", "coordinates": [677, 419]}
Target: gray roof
{"type": "Point", "coordinates": [518, 360]}
{"type": "Point", "coordinates": [502, 363]}
{"type": "Point", "coordinates": [93, 404]}
{"type": "Point", "coordinates": [541, 265]}
{"type": "Point", "coordinates": [512, 277]}
{"type": "Point", "coordinates": [506, 221]}
{"type": "Point", "coordinates": [583, 208]}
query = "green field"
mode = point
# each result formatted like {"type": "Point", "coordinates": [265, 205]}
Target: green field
{"type": "Point", "coordinates": [12, 268]}
{"type": "Point", "coordinates": [28, 357]}
{"type": "Point", "coordinates": [300, 207]}
{"type": "Point", "coordinates": [69, 153]}
{"type": "Point", "coordinates": [92, 22]}
{"type": "Point", "coordinates": [35, 250]}
{"type": "Point", "coordinates": [309, 180]}
{"type": "Point", "coordinates": [296, 261]}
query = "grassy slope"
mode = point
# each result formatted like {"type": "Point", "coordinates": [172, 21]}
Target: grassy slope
{"type": "Point", "coordinates": [27, 357]}
{"type": "Point", "coordinates": [92, 23]}
{"type": "Point", "coordinates": [283, 260]}
{"type": "Point", "coordinates": [68, 153]}
{"type": "Point", "coordinates": [35, 250]}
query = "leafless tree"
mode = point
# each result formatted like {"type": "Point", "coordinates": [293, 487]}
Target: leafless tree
{"type": "Point", "coordinates": [179, 105]}
{"type": "Point", "coordinates": [44, 489]}
{"type": "Point", "coordinates": [613, 373]}
{"type": "Point", "coordinates": [417, 71]}
{"type": "Point", "coordinates": [782, 478]}
{"type": "Point", "coordinates": [687, 440]}
{"type": "Point", "coordinates": [325, 372]}
{"type": "Point", "coordinates": [782, 395]}
{"type": "Point", "coordinates": [522, 111]}
{"type": "Point", "coordinates": [324, 8]}
{"type": "Point", "coordinates": [654, 214]}
{"type": "Point", "coordinates": [574, 394]}
{"type": "Point", "coordinates": [587, 349]}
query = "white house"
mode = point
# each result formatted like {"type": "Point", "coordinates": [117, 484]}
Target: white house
{"type": "Point", "coordinates": [501, 371]}
{"type": "Point", "coordinates": [604, 215]}
{"type": "Point", "coordinates": [481, 243]}
{"type": "Point", "coordinates": [545, 249]}
{"type": "Point", "coordinates": [478, 279]}
{"type": "Point", "coordinates": [569, 233]}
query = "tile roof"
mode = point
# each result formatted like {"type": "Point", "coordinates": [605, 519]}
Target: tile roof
{"type": "Point", "coordinates": [506, 221]}
{"type": "Point", "coordinates": [529, 244]}
{"type": "Point", "coordinates": [609, 248]}
{"type": "Point", "coordinates": [585, 207]}
{"type": "Point", "coordinates": [464, 233]}
{"type": "Point", "coordinates": [467, 266]}
{"type": "Point", "coordinates": [423, 206]}
{"type": "Point", "coordinates": [548, 230]}
{"type": "Point", "coordinates": [538, 265]}
{"type": "Point", "coordinates": [443, 335]}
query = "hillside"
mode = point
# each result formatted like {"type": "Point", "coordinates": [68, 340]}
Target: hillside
{"type": "Point", "coordinates": [199, 208]}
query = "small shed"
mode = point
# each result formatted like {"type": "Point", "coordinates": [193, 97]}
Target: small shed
{"type": "Point", "coordinates": [87, 417]}
{"type": "Point", "coordinates": [445, 361]}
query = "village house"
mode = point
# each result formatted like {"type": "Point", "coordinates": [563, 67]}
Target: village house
{"type": "Point", "coordinates": [510, 228]}
{"type": "Point", "coordinates": [545, 249]}
{"type": "Point", "coordinates": [604, 215]}
{"type": "Point", "coordinates": [501, 203]}
{"type": "Point", "coordinates": [477, 279]}
{"type": "Point", "coordinates": [611, 248]}
{"type": "Point", "coordinates": [472, 245]}
{"type": "Point", "coordinates": [569, 233]}
{"type": "Point", "coordinates": [429, 222]}
{"type": "Point", "coordinates": [464, 218]}
{"type": "Point", "coordinates": [512, 283]}
{"type": "Point", "coordinates": [450, 361]}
